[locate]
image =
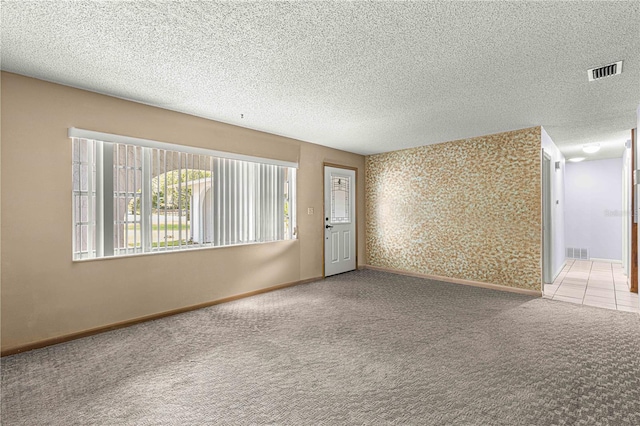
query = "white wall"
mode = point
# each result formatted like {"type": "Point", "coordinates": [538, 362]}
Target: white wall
{"type": "Point", "coordinates": [558, 195]}
{"type": "Point", "coordinates": [627, 208]}
{"type": "Point", "coordinates": [593, 214]}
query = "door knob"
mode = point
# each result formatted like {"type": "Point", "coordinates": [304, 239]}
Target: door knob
{"type": "Point", "coordinates": [329, 226]}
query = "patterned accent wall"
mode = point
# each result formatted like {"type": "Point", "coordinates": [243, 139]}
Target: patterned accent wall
{"type": "Point", "coordinates": [468, 209]}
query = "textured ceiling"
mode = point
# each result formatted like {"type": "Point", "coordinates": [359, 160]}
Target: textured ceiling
{"type": "Point", "coordinates": [363, 77]}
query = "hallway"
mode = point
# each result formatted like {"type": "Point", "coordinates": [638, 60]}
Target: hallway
{"type": "Point", "coordinates": [593, 283]}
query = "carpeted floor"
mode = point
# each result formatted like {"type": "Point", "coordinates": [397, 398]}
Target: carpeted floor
{"type": "Point", "coordinates": [365, 347]}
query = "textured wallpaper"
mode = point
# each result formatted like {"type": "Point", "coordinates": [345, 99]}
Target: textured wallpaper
{"type": "Point", "coordinates": [467, 209]}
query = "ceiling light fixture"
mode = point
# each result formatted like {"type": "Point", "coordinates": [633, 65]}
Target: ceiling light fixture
{"type": "Point", "coordinates": [591, 148]}
{"type": "Point", "coordinates": [576, 159]}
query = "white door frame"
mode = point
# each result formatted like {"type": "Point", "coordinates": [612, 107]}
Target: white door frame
{"type": "Point", "coordinates": [626, 210]}
{"type": "Point", "coordinates": [355, 212]}
{"type": "Point", "coordinates": [547, 220]}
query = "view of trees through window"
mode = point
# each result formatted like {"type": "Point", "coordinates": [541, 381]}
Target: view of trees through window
{"type": "Point", "coordinates": [171, 200]}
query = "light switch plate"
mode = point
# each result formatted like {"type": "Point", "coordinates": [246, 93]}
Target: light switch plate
{"type": "Point", "coordinates": [310, 210]}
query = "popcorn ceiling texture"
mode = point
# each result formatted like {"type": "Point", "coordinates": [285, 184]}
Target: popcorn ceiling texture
{"type": "Point", "coordinates": [468, 209]}
{"type": "Point", "coordinates": [361, 76]}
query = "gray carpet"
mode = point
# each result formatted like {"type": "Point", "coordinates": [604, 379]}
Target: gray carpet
{"type": "Point", "coordinates": [365, 347]}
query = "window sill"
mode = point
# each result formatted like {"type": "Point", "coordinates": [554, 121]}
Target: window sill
{"type": "Point", "coordinates": [153, 253]}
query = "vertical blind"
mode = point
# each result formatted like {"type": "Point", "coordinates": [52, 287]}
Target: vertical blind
{"type": "Point", "coordinates": [130, 199]}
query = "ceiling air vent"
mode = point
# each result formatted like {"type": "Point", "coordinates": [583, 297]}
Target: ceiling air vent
{"type": "Point", "coordinates": [606, 71]}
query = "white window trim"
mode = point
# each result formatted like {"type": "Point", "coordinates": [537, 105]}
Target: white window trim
{"type": "Point", "coordinates": [148, 143]}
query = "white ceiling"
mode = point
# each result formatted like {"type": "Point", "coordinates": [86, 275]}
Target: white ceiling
{"type": "Point", "coordinates": [360, 76]}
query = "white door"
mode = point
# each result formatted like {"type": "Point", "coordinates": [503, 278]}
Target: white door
{"type": "Point", "coordinates": [339, 220]}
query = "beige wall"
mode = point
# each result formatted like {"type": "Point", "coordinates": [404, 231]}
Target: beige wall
{"type": "Point", "coordinates": [46, 295]}
{"type": "Point", "coordinates": [468, 209]}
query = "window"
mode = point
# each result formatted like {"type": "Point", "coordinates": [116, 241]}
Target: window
{"type": "Point", "coordinates": [340, 199]}
{"type": "Point", "coordinates": [134, 196]}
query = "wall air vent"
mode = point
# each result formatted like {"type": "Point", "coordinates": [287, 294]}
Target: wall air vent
{"type": "Point", "coordinates": [605, 71]}
{"type": "Point", "coordinates": [578, 253]}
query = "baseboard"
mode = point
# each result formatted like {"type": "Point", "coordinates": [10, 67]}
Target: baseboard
{"type": "Point", "coordinates": [460, 281]}
{"type": "Point", "coordinates": [598, 259]}
{"type": "Point", "coordinates": [86, 333]}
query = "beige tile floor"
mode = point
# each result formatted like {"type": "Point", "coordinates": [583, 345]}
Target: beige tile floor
{"type": "Point", "coordinates": [600, 284]}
